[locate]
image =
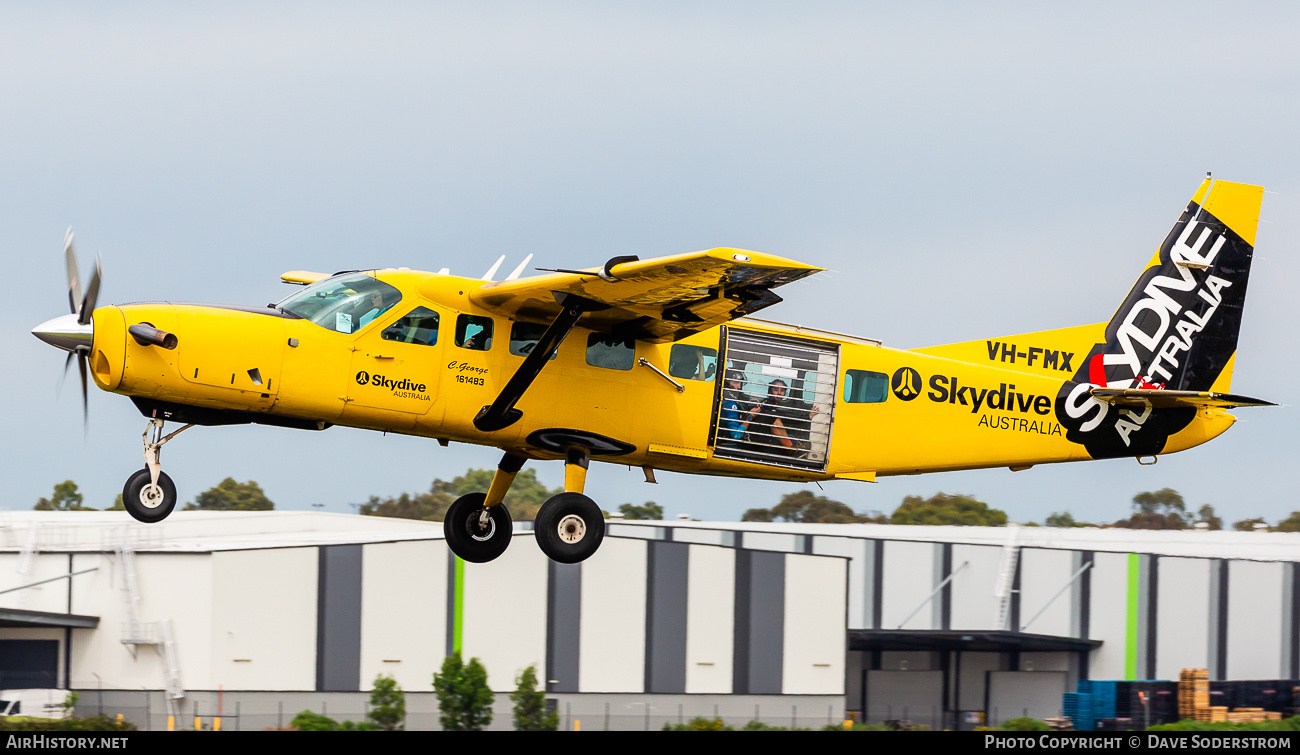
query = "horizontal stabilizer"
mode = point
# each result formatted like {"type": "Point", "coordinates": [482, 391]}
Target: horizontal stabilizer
{"type": "Point", "coordinates": [1160, 399]}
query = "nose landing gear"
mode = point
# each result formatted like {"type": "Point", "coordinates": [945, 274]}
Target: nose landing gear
{"type": "Point", "coordinates": [150, 495]}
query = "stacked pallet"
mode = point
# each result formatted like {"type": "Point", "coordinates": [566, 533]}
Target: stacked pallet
{"type": "Point", "coordinates": [1193, 693]}
{"type": "Point", "coordinates": [1077, 706]}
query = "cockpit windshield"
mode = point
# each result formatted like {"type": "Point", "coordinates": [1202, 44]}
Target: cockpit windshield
{"type": "Point", "coordinates": [343, 303]}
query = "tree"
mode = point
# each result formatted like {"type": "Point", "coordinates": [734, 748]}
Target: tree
{"type": "Point", "coordinates": [1249, 525]}
{"type": "Point", "coordinates": [757, 515]}
{"type": "Point", "coordinates": [530, 704]}
{"type": "Point", "coordinates": [117, 504]}
{"type": "Point", "coordinates": [805, 507]}
{"type": "Point", "coordinates": [526, 495]}
{"type": "Point", "coordinates": [464, 699]}
{"type": "Point", "coordinates": [229, 495]}
{"type": "Point", "coordinates": [387, 704]}
{"type": "Point", "coordinates": [1290, 524]}
{"type": "Point", "coordinates": [1161, 510]}
{"type": "Point", "coordinates": [943, 508]}
{"type": "Point", "coordinates": [650, 511]}
{"type": "Point", "coordinates": [310, 721]}
{"type": "Point", "coordinates": [65, 498]}
{"type": "Point", "coordinates": [1206, 514]}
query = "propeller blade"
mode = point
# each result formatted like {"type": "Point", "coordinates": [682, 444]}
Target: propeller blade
{"type": "Point", "coordinates": [92, 293]}
{"type": "Point", "coordinates": [85, 402]}
{"type": "Point", "coordinates": [493, 270]}
{"type": "Point", "coordinates": [520, 269]}
{"type": "Point", "coordinates": [66, 364]}
{"type": "Point", "coordinates": [74, 280]}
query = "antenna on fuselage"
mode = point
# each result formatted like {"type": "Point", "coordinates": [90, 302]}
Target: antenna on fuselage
{"type": "Point", "coordinates": [493, 270]}
{"type": "Point", "coordinates": [520, 269]}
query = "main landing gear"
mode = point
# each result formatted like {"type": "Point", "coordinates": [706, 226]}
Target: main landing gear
{"type": "Point", "coordinates": [149, 495]}
{"type": "Point", "coordinates": [569, 527]}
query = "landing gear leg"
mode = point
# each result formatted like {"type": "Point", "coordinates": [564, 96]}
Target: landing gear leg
{"type": "Point", "coordinates": [477, 526]}
{"type": "Point", "coordinates": [149, 495]}
{"type": "Point", "coordinates": [570, 526]}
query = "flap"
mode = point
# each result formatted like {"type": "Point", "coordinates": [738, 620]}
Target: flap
{"type": "Point", "coordinates": [302, 277]}
{"type": "Point", "coordinates": [658, 300]}
{"type": "Point", "coordinates": [1161, 399]}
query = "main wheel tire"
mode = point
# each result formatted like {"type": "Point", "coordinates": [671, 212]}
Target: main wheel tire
{"type": "Point", "coordinates": [468, 537]}
{"type": "Point", "coordinates": [146, 502]}
{"type": "Point", "coordinates": [569, 528]}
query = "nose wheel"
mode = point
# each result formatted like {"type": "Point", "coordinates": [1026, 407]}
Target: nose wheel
{"type": "Point", "coordinates": [149, 495]}
{"type": "Point", "coordinates": [569, 528]}
{"type": "Point", "coordinates": [474, 532]}
{"type": "Point", "coordinates": [147, 501]}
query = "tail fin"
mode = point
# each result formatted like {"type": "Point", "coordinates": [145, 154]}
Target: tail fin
{"type": "Point", "coordinates": [1177, 328]}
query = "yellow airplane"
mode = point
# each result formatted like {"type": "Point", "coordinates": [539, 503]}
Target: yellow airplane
{"type": "Point", "coordinates": [658, 364]}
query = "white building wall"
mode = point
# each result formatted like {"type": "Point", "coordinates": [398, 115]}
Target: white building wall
{"type": "Point", "coordinates": [263, 619]}
{"type": "Point", "coordinates": [710, 619]}
{"type": "Point", "coordinates": [51, 597]}
{"type": "Point", "coordinates": [973, 603]}
{"type": "Point", "coordinates": [815, 639]}
{"type": "Point", "coordinates": [908, 578]}
{"type": "Point", "coordinates": [1108, 620]}
{"type": "Point", "coordinates": [1042, 575]}
{"type": "Point", "coordinates": [505, 612]}
{"type": "Point", "coordinates": [403, 612]}
{"type": "Point", "coordinates": [1255, 620]}
{"type": "Point", "coordinates": [770, 541]}
{"type": "Point", "coordinates": [856, 551]}
{"type": "Point", "coordinates": [1183, 615]}
{"type": "Point", "coordinates": [612, 624]}
{"type": "Point", "coordinates": [171, 586]}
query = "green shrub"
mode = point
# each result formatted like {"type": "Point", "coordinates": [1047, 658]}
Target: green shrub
{"type": "Point", "coordinates": [700, 724]}
{"type": "Point", "coordinates": [1024, 724]}
{"type": "Point", "coordinates": [89, 723]}
{"type": "Point", "coordinates": [1286, 724]}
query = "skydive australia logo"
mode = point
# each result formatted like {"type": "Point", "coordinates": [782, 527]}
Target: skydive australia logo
{"type": "Point", "coordinates": [906, 383]}
{"type": "Point", "coordinates": [945, 389]}
{"type": "Point", "coordinates": [403, 388]}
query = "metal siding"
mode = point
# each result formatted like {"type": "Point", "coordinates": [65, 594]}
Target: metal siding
{"type": "Point", "coordinates": [338, 657]}
{"type": "Point", "coordinates": [263, 620]}
{"type": "Point", "coordinates": [665, 665]}
{"type": "Point", "coordinates": [1045, 573]}
{"type": "Point", "coordinates": [613, 619]}
{"type": "Point", "coordinates": [1182, 616]}
{"type": "Point", "coordinates": [908, 578]}
{"type": "Point", "coordinates": [504, 623]}
{"type": "Point", "coordinates": [916, 696]}
{"type": "Point", "coordinates": [1036, 694]}
{"type": "Point", "coordinates": [815, 641]}
{"type": "Point", "coordinates": [1255, 620]}
{"type": "Point", "coordinates": [973, 603]}
{"type": "Point", "coordinates": [1108, 611]}
{"type": "Point", "coordinates": [403, 620]}
{"type": "Point", "coordinates": [710, 596]}
{"type": "Point", "coordinates": [859, 591]}
{"type": "Point", "coordinates": [766, 622]}
{"type": "Point", "coordinates": [564, 624]}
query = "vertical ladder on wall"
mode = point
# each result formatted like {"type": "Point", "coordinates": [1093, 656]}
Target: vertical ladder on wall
{"type": "Point", "coordinates": [1007, 575]}
{"type": "Point", "coordinates": [27, 561]}
{"type": "Point", "coordinates": [157, 633]}
{"type": "Point", "coordinates": [134, 633]}
{"type": "Point", "coordinates": [175, 690]}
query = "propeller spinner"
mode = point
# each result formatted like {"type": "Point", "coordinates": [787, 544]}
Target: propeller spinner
{"type": "Point", "coordinates": [74, 332]}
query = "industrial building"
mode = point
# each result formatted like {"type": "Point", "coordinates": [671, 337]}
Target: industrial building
{"type": "Point", "coordinates": [256, 616]}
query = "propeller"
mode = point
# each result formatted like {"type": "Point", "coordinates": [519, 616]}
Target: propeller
{"type": "Point", "coordinates": [75, 332]}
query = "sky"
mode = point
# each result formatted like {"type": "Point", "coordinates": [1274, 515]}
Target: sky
{"type": "Point", "coordinates": [965, 171]}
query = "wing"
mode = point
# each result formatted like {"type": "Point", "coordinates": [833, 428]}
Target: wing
{"type": "Point", "coordinates": [1166, 399]}
{"type": "Point", "coordinates": [658, 300]}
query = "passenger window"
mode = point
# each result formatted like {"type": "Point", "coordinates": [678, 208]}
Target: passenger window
{"type": "Point", "coordinates": [861, 387]}
{"type": "Point", "coordinates": [692, 362]}
{"type": "Point", "coordinates": [610, 352]}
{"type": "Point", "coordinates": [524, 337]}
{"type": "Point", "coordinates": [474, 332]}
{"type": "Point", "coordinates": [419, 326]}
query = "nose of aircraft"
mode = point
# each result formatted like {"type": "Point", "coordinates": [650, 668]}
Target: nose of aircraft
{"type": "Point", "coordinates": [65, 332]}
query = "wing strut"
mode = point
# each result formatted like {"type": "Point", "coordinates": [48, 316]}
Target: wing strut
{"type": "Point", "coordinates": [501, 413]}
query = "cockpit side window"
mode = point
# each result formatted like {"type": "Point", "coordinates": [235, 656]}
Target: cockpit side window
{"type": "Point", "coordinates": [419, 326]}
{"type": "Point", "coordinates": [474, 332]}
{"type": "Point", "coordinates": [344, 303]}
